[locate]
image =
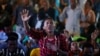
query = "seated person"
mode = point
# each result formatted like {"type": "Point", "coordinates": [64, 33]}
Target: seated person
{"type": "Point", "coordinates": [12, 48]}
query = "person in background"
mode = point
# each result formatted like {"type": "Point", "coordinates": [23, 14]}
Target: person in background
{"type": "Point", "coordinates": [73, 15]}
{"type": "Point", "coordinates": [64, 3]}
{"type": "Point", "coordinates": [17, 22]}
{"type": "Point", "coordinates": [96, 7]}
{"type": "Point", "coordinates": [5, 14]}
{"type": "Point", "coordinates": [12, 47]}
{"type": "Point", "coordinates": [88, 49]}
{"type": "Point", "coordinates": [3, 37]}
{"type": "Point", "coordinates": [45, 10]}
{"type": "Point", "coordinates": [5, 7]}
{"type": "Point", "coordinates": [74, 50]}
{"type": "Point", "coordinates": [90, 19]}
{"type": "Point", "coordinates": [50, 44]}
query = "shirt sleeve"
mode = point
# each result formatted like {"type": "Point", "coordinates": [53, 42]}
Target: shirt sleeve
{"type": "Point", "coordinates": [35, 34]}
{"type": "Point", "coordinates": [63, 15]}
{"type": "Point", "coordinates": [22, 53]}
{"type": "Point", "coordinates": [82, 16]}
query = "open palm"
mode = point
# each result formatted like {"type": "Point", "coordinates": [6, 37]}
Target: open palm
{"type": "Point", "coordinates": [25, 15]}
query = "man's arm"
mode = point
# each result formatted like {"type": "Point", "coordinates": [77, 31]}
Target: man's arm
{"type": "Point", "coordinates": [25, 17]}
{"type": "Point", "coordinates": [31, 32]}
{"type": "Point", "coordinates": [63, 15]}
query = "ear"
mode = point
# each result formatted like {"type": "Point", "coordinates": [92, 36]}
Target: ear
{"type": "Point", "coordinates": [43, 27]}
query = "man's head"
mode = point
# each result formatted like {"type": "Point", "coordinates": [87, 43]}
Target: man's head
{"type": "Point", "coordinates": [44, 3]}
{"type": "Point", "coordinates": [12, 41]}
{"type": "Point", "coordinates": [49, 25]}
{"type": "Point", "coordinates": [74, 46]}
{"type": "Point", "coordinates": [25, 2]}
{"type": "Point", "coordinates": [88, 4]}
{"type": "Point", "coordinates": [73, 2]}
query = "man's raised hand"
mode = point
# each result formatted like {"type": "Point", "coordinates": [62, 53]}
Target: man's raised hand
{"type": "Point", "coordinates": [25, 15]}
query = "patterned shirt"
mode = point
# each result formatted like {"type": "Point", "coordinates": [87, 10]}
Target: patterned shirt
{"type": "Point", "coordinates": [45, 49]}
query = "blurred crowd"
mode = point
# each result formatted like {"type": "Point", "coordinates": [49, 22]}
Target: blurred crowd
{"type": "Point", "coordinates": [77, 20]}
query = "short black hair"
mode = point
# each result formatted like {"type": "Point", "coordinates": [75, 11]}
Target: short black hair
{"type": "Point", "coordinates": [90, 2]}
{"type": "Point", "coordinates": [47, 18]}
{"type": "Point", "coordinates": [12, 36]}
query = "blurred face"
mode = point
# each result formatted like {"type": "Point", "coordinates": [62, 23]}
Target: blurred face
{"type": "Point", "coordinates": [73, 2]}
{"type": "Point", "coordinates": [44, 3]}
{"type": "Point", "coordinates": [87, 5]}
{"type": "Point", "coordinates": [94, 34]}
{"type": "Point", "coordinates": [12, 45]}
{"type": "Point", "coordinates": [49, 26]}
{"type": "Point", "coordinates": [74, 46]}
{"type": "Point", "coordinates": [25, 2]}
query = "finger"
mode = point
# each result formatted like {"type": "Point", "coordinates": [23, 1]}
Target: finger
{"type": "Point", "coordinates": [23, 11]}
{"type": "Point", "coordinates": [27, 12]}
{"type": "Point", "coordinates": [29, 16]}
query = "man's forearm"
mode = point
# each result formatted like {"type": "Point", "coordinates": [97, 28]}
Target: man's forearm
{"type": "Point", "coordinates": [26, 26]}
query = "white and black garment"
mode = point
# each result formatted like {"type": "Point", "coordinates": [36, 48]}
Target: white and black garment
{"type": "Point", "coordinates": [18, 52]}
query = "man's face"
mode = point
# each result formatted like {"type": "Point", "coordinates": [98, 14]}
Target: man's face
{"type": "Point", "coordinates": [95, 34]}
{"type": "Point", "coordinates": [49, 25]}
{"type": "Point", "coordinates": [12, 45]}
{"type": "Point", "coordinates": [25, 2]}
{"type": "Point", "coordinates": [44, 3]}
{"type": "Point", "coordinates": [73, 2]}
{"type": "Point", "coordinates": [87, 5]}
{"type": "Point", "coordinates": [74, 46]}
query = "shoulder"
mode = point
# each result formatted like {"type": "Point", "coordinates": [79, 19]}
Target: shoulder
{"type": "Point", "coordinates": [78, 8]}
{"type": "Point", "coordinates": [91, 12]}
{"type": "Point", "coordinates": [66, 8]}
{"type": "Point", "coordinates": [61, 37]}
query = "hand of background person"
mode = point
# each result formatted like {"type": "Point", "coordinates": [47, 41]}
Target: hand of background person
{"type": "Point", "coordinates": [51, 46]}
{"type": "Point", "coordinates": [25, 15]}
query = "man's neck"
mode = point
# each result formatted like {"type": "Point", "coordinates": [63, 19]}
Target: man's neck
{"type": "Point", "coordinates": [50, 35]}
{"type": "Point", "coordinates": [73, 7]}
